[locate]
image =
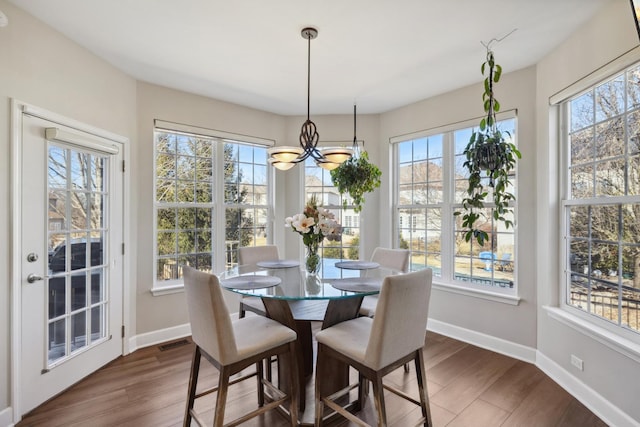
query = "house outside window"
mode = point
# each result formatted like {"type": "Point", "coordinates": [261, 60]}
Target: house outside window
{"type": "Point", "coordinates": [430, 185]}
{"type": "Point", "coordinates": [601, 203]}
{"type": "Point", "coordinates": [318, 182]}
{"type": "Point", "coordinates": [211, 197]}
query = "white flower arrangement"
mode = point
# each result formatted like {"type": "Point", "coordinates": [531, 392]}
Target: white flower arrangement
{"type": "Point", "coordinates": [314, 224]}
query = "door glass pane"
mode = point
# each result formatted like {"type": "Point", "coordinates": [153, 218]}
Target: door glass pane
{"type": "Point", "coordinates": [57, 348]}
{"type": "Point", "coordinates": [97, 251]}
{"type": "Point", "coordinates": [79, 210]}
{"type": "Point", "coordinates": [57, 211]}
{"type": "Point", "coordinates": [57, 167]}
{"type": "Point", "coordinates": [57, 252]}
{"type": "Point", "coordinates": [97, 215]}
{"type": "Point", "coordinates": [57, 297]}
{"type": "Point", "coordinates": [78, 330]}
{"type": "Point", "coordinates": [79, 170]}
{"type": "Point", "coordinates": [97, 172]}
{"type": "Point", "coordinates": [77, 293]}
{"type": "Point", "coordinates": [78, 251]}
{"type": "Point", "coordinates": [98, 322]}
{"type": "Point", "coordinates": [97, 286]}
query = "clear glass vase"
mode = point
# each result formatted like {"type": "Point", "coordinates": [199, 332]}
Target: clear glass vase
{"type": "Point", "coordinates": [312, 262]}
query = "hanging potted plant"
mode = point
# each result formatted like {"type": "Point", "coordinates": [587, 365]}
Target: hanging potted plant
{"type": "Point", "coordinates": [488, 155]}
{"type": "Point", "coordinates": [357, 175]}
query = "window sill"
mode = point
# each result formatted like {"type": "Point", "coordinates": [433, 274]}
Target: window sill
{"type": "Point", "coordinates": [604, 336]}
{"type": "Point", "coordinates": [478, 293]}
{"type": "Point", "coordinates": [167, 290]}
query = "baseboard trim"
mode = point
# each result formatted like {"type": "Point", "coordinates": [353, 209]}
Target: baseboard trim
{"type": "Point", "coordinates": [163, 335]}
{"type": "Point", "coordinates": [508, 348]}
{"type": "Point", "coordinates": [159, 336]}
{"type": "Point", "coordinates": [6, 417]}
{"type": "Point", "coordinates": [609, 413]}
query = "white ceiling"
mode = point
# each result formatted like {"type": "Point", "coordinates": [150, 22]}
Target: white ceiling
{"type": "Point", "coordinates": [382, 54]}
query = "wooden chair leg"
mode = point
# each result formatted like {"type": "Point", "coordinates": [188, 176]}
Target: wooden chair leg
{"type": "Point", "coordinates": [363, 390]}
{"type": "Point", "coordinates": [193, 382]}
{"type": "Point", "coordinates": [319, 374]}
{"type": "Point", "coordinates": [378, 397]}
{"type": "Point", "coordinates": [269, 368]}
{"type": "Point", "coordinates": [422, 388]}
{"type": "Point", "coordinates": [294, 386]}
{"type": "Point", "coordinates": [221, 400]}
{"type": "Point", "coordinates": [259, 378]}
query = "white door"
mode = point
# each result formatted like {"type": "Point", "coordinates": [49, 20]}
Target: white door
{"type": "Point", "coordinates": [71, 237]}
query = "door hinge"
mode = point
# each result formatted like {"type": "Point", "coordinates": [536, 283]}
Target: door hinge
{"type": "Point", "coordinates": [123, 249]}
{"type": "Point", "coordinates": [123, 166]}
{"type": "Point", "coordinates": [122, 331]}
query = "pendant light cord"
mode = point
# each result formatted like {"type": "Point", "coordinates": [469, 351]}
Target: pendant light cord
{"type": "Point", "coordinates": [356, 149]}
{"type": "Point", "coordinates": [308, 75]}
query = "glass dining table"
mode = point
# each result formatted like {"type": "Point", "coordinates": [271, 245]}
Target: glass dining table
{"type": "Point", "coordinates": [296, 299]}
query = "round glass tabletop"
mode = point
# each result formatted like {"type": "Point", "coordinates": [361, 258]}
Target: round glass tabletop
{"type": "Point", "coordinates": [295, 284]}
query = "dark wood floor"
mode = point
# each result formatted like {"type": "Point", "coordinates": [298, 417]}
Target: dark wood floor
{"type": "Point", "coordinates": [468, 386]}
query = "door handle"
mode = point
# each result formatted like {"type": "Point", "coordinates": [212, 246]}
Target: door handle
{"type": "Point", "coordinates": [31, 278]}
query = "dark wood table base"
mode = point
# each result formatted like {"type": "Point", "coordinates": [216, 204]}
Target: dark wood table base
{"type": "Point", "coordinates": [306, 311]}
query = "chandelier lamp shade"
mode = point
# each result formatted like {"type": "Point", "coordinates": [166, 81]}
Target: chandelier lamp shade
{"type": "Point", "coordinates": [286, 157]}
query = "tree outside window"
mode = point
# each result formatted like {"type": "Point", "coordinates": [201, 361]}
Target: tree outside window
{"type": "Point", "coordinates": [602, 207]}
{"type": "Point", "coordinates": [185, 201]}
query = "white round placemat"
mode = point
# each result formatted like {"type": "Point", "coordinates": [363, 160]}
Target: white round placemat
{"type": "Point", "coordinates": [278, 263]}
{"type": "Point", "coordinates": [251, 281]}
{"type": "Point", "coordinates": [357, 284]}
{"type": "Point", "coordinates": [357, 265]}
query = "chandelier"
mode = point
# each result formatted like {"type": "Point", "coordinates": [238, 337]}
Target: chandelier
{"type": "Point", "coordinates": [286, 157]}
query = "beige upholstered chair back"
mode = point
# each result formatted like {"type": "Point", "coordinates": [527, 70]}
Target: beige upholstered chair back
{"type": "Point", "coordinates": [393, 259]}
{"type": "Point", "coordinates": [250, 255]}
{"type": "Point", "coordinates": [400, 323]}
{"type": "Point", "coordinates": [211, 326]}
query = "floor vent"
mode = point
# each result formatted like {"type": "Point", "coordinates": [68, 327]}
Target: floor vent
{"type": "Point", "coordinates": [171, 345]}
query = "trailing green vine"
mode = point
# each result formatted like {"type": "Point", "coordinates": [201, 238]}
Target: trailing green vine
{"type": "Point", "coordinates": [356, 177]}
{"type": "Point", "coordinates": [488, 154]}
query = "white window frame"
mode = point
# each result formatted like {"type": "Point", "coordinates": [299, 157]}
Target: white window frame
{"type": "Point", "coordinates": [617, 337]}
{"type": "Point", "coordinates": [217, 204]}
{"type": "Point", "coordinates": [446, 279]}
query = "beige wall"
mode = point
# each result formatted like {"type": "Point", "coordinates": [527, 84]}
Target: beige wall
{"type": "Point", "coordinates": [41, 67]}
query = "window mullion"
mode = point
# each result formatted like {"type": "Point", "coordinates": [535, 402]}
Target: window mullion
{"type": "Point", "coordinates": [219, 217]}
{"type": "Point", "coordinates": [447, 231]}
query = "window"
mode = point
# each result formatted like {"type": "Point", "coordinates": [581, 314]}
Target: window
{"type": "Point", "coordinates": [431, 183]}
{"type": "Point", "coordinates": [195, 176]}
{"type": "Point", "coordinates": [246, 198]}
{"type": "Point", "coordinates": [601, 204]}
{"type": "Point", "coordinates": [318, 182]}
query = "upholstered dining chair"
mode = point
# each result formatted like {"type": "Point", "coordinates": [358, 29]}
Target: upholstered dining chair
{"type": "Point", "coordinates": [395, 260]}
{"type": "Point", "coordinates": [374, 347]}
{"type": "Point", "coordinates": [250, 256]}
{"type": "Point", "coordinates": [232, 346]}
